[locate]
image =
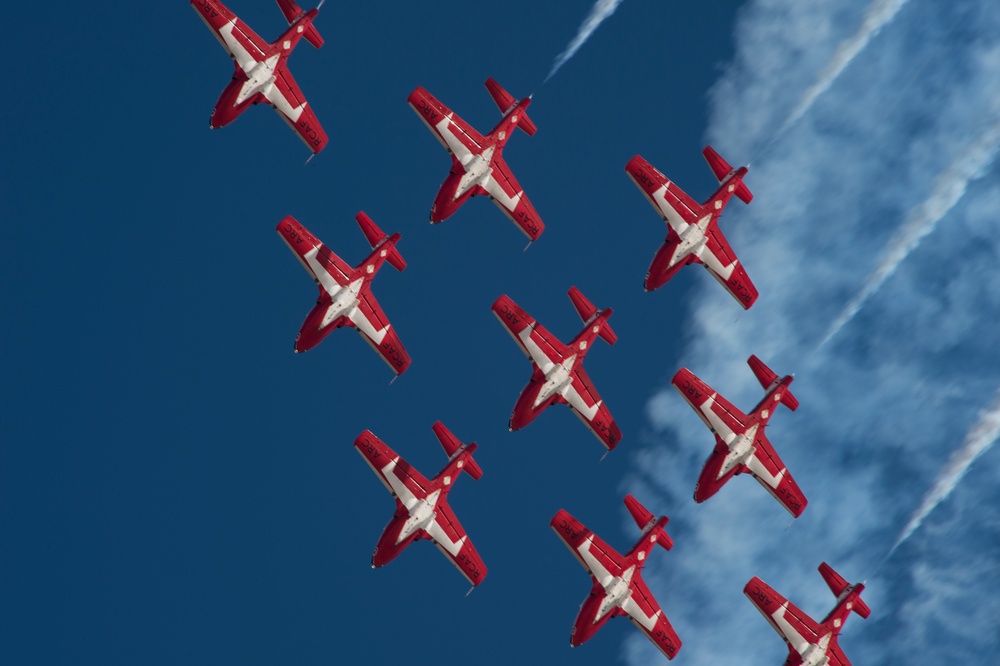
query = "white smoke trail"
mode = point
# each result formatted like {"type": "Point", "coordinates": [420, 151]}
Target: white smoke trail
{"type": "Point", "coordinates": [949, 189]}
{"type": "Point", "coordinates": [978, 441]}
{"type": "Point", "coordinates": [878, 15]}
{"type": "Point", "coordinates": [601, 10]}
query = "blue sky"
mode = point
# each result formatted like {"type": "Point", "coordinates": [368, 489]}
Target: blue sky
{"type": "Point", "coordinates": [178, 487]}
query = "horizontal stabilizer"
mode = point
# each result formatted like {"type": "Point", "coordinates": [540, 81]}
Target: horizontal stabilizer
{"type": "Point", "coordinates": [292, 13]}
{"type": "Point", "coordinates": [721, 168]}
{"type": "Point", "coordinates": [504, 101]}
{"type": "Point", "coordinates": [588, 312]}
{"type": "Point", "coordinates": [453, 446]}
{"type": "Point", "coordinates": [647, 521]}
{"type": "Point", "coordinates": [768, 378]}
{"type": "Point", "coordinates": [837, 585]}
{"type": "Point", "coordinates": [375, 236]}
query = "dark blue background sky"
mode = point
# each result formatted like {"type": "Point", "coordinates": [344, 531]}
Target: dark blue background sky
{"type": "Point", "coordinates": [178, 487]}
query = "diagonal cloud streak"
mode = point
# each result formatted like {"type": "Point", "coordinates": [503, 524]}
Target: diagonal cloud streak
{"type": "Point", "coordinates": [862, 185]}
{"type": "Point", "coordinates": [949, 189]}
{"type": "Point", "coordinates": [979, 440]}
{"type": "Point", "coordinates": [601, 10]}
{"type": "Point", "coordinates": [879, 14]}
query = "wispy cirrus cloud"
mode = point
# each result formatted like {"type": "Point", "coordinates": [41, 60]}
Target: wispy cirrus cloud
{"type": "Point", "coordinates": [949, 188]}
{"type": "Point", "coordinates": [870, 173]}
{"type": "Point", "coordinates": [878, 15]}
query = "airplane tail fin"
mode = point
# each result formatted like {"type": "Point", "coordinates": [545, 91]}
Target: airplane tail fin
{"type": "Point", "coordinates": [376, 236]}
{"type": "Point", "coordinates": [453, 447]}
{"type": "Point", "coordinates": [588, 311]}
{"type": "Point", "coordinates": [292, 13]}
{"type": "Point", "coordinates": [647, 521]}
{"type": "Point", "coordinates": [504, 101]}
{"type": "Point", "coordinates": [837, 585]}
{"type": "Point", "coordinates": [721, 168]}
{"type": "Point", "coordinates": [767, 378]}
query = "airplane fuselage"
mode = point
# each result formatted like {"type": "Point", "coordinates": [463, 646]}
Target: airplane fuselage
{"type": "Point", "coordinates": [337, 303]}
{"type": "Point", "coordinates": [693, 238]}
{"type": "Point", "coordinates": [612, 591]}
{"type": "Point", "coordinates": [251, 85]}
{"type": "Point", "coordinates": [415, 515]}
{"type": "Point", "coordinates": [817, 654]}
{"type": "Point", "coordinates": [550, 381]}
{"type": "Point", "coordinates": [468, 173]}
{"type": "Point", "coordinates": [732, 453]}
{"type": "Point", "coordinates": [529, 405]}
{"type": "Point", "coordinates": [845, 605]}
{"type": "Point", "coordinates": [590, 619]}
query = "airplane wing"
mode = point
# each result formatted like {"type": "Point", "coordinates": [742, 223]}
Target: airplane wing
{"type": "Point", "coordinates": [455, 134]}
{"type": "Point", "coordinates": [720, 260]}
{"type": "Point", "coordinates": [837, 656]}
{"type": "Point", "coordinates": [585, 402]}
{"type": "Point", "coordinates": [504, 190]}
{"type": "Point", "coordinates": [400, 479]}
{"type": "Point", "coordinates": [673, 205]}
{"type": "Point", "coordinates": [645, 613]}
{"type": "Point", "coordinates": [452, 540]}
{"type": "Point", "coordinates": [371, 322]}
{"type": "Point", "coordinates": [599, 559]}
{"type": "Point", "coordinates": [288, 100]}
{"type": "Point", "coordinates": [326, 268]}
{"type": "Point", "coordinates": [543, 348]}
{"type": "Point", "coordinates": [236, 37]}
{"type": "Point", "coordinates": [798, 629]}
{"type": "Point", "coordinates": [767, 468]}
{"type": "Point", "coordinates": [720, 415]}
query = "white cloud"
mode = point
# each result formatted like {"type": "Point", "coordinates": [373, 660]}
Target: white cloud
{"type": "Point", "coordinates": [896, 152]}
{"type": "Point", "coordinates": [949, 188]}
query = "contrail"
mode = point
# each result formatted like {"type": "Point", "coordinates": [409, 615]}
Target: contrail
{"type": "Point", "coordinates": [948, 190]}
{"type": "Point", "coordinates": [978, 441]}
{"type": "Point", "coordinates": [601, 10]}
{"type": "Point", "coordinates": [878, 15]}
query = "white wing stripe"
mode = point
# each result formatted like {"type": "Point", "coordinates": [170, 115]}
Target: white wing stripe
{"type": "Point", "coordinates": [668, 212]}
{"type": "Point", "coordinates": [399, 488]}
{"type": "Point", "coordinates": [455, 146]}
{"type": "Point", "coordinates": [597, 570]}
{"type": "Point", "coordinates": [246, 61]}
{"type": "Point", "coordinates": [499, 195]}
{"type": "Point", "coordinates": [365, 326]}
{"type": "Point", "coordinates": [577, 402]}
{"type": "Point", "coordinates": [635, 612]}
{"type": "Point", "coordinates": [543, 362]}
{"type": "Point", "coordinates": [442, 540]}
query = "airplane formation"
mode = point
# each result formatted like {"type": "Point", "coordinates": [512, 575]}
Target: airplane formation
{"type": "Point", "coordinates": [422, 510]}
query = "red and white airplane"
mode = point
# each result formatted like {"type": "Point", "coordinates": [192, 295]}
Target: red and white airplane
{"type": "Point", "coordinates": [740, 443]}
{"type": "Point", "coordinates": [693, 234]}
{"type": "Point", "coordinates": [618, 586]}
{"type": "Point", "coordinates": [810, 644]}
{"type": "Point", "coordinates": [477, 164]}
{"type": "Point", "coordinates": [262, 69]}
{"type": "Point", "coordinates": [422, 510]}
{"type": "Point", "coordinates": [558, 374]}
{"type": "Point", "coordinates": [345, 294]}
